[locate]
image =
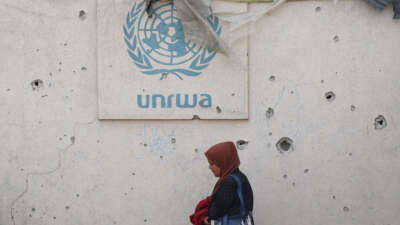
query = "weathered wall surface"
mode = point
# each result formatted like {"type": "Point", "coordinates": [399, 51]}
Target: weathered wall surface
{"type": "Point", "coordinates": [60, 165]}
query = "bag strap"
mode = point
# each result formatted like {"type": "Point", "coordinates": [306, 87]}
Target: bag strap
{"type": "Point", "coordinates": [240, 194]}
{"type": "Point", "coordinates": [242, 208]}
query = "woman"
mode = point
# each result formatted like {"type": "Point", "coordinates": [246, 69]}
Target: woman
{"type": "Point", "coordinates": [232, 196]}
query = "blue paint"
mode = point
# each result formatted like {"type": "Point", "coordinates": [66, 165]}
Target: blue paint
{"type": "Point", "coordinates": [159, 41]}
{"type": "Point", "coordinates": [181, 101]}
{"type": "Point", "coordinates": [139, 101]}
{"type": "Point", "coordinates": [154, 100]}
{"type": "Point", "coordinates": [206, 102]}
{"type": "Point", "coordinates": [186, 104]}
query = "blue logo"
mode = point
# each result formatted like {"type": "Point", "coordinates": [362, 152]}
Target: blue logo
{"type": "Point", "coordinates": [157, 45]}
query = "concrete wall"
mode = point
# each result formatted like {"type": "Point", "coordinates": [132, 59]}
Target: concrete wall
{"type": "Point", "coordinates": [60, 165]}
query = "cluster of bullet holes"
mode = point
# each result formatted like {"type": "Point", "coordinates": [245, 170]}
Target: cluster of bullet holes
{"type": "Point", "coordinates": [269, 113]}
{"type": "Point", "coordinates": [330, 96]}
{"type": "Point", "coordinates": [82, 15]}
{"type": "Point", "coordinates": [285, 144]}
{"type": "Point", "coordinates": [241, 144]}
{"type": "Point", "coordinates": [36, 84]}
{"type": "Point", "coordinates": [380, 122]}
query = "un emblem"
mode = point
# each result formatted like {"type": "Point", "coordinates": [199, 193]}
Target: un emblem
{"type": "Point", "coordinates": [157, 45]}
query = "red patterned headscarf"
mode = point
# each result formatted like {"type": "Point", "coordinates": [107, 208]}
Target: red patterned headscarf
{"type": "Point", "coordinates": [225, 156]}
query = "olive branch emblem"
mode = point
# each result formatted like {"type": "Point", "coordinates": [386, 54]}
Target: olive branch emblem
{"type": "Point", "coordinates": [200, 62]}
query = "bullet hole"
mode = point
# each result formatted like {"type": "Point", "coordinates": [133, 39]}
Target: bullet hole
{"type": "Point", "coordinates": [196, 150]}
{"type": "Point", "coordinates": [322, 81]}
{"type": "Point", "coordinates": [125, 194]}
{"type": "Point", "coordinates": [272, 78]}
{"type": "Point", "coordinates": [36, 84]}
{"type": "Point", "coordinates": [293, 184]}
{"type": "Point", "coordinates": [346, 209]}
{"type": "Point", "coordinates": [161, 157]}
{"type": "Point", "coordinates": [334, 197]}
{"type": "Point", "coordinates": [30, 215]}
{"type": "Point", "coordinates": [33, 209]}
{"type": "Point", "coordinates": [164, 75]}
{"type": "Point", "coordinates": [54, 217]}
{"type": "Point", "coordinates": [380, 122]}
{"type": "Point", "coordinates": [67, 207]}
{"type": "Point", "coordinates": [59, 70]}
{"type": "Point", "coordinates": [317, 9]}
{"type": "Point", "coordinates": [173, 140]}
{"type": "Point", "coordinates": [133, 174]}
{"type": "Point", "coordinates": [233, 94]}
{"type": "Point", "coordinates": [83, 68]}
{"type": "Point", "coordinates": [8, 89]}
{"type": "Point", "coordinates": [145, 145]}
{"type": "Point", "coordinates": [44, 96]}
{"type": "Point", "coordinates": [352, 108]}
{"type": "Point", "coordinates": [22, 169]}
{"type": "Point", "coordinates": [65, 44]}
{"type": "Point", "coordinates": [336, 38]}
{"type": "Point", "coordinates": [196, 117]}
{"type": "Point", "coordinates": [37, 50]}
{"type": "Point", "coordinates": [269, 113]}
{"type": "Point", "coordinates": [60, 63]}
{"type": "Point", "coordinates": [284, 144]}
{"type": "Point", "coordinates": [241, 144]}
{"type": "Point", "coordinates": [131, 188]}
{"type": "Point", "coordinates": [284, 176]}
{"type": "Point", "coordinates": [330, 96]}
{"type": "Point", "coordinates": [78, 195]}
{"type": "Point", "coordinates": [306, 170]}
{"type": "Point", "coordinates": [72, 139]}
{"type": "Point", "coordinates": [82, 15]}
{"type": "Point", "coordinates": [270, 133]}
{"type": "Point", "coordinates": [145, 220]}
{"type": "Point", "coordinates": [218, 109]}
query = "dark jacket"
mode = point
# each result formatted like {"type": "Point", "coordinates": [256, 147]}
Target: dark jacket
{"type": "Point", "coordinates": [226, 201]}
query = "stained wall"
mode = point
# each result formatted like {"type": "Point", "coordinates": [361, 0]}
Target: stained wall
{"type": "Point", "coordinates": [323, 76]}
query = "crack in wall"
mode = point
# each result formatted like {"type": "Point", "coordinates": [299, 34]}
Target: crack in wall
{"type": "Point", "coordinates": [61, 153]}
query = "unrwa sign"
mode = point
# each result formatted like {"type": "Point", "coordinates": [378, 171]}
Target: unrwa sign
{"type": "Point", "coordinates": [181, 78]}
{"type": "Point", "coordinates": [174, 100]}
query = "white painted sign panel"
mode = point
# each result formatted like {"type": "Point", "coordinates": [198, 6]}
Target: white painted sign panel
{"type": "Point", "coordinates": [147, 70]}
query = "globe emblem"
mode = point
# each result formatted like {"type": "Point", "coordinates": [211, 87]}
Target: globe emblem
{"type": "Point", "coordinates": [157, 45]}
{"type": "Point", "coordinates": [163, 39]}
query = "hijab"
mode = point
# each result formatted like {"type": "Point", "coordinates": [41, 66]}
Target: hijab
{"type": "Point", "coordinates": [225, 156]}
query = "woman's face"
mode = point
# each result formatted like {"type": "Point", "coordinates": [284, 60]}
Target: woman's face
{"type": "Point", "coordinates": [215, 169]}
